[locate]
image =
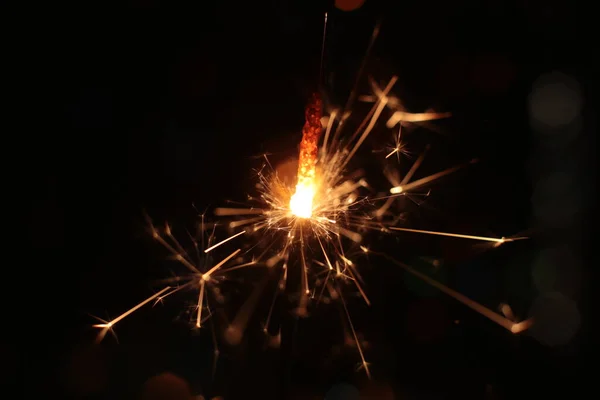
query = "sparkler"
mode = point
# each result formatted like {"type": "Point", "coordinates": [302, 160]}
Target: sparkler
{"type": "Point", "coordinates": [317, 224]}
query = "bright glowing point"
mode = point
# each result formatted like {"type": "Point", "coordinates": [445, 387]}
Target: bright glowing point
{"type": "Point", "coordinates": [313, 234]}
{"type": "Point", "coordinates": [301, 203]}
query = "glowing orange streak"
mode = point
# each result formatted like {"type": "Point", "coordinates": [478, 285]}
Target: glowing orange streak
{"type": "Point", "coordinates": [301, 203]}
{"type": "Point", "coordinates": [107, 326]}
{"type": "Point", "coordinates": [456, 235]}
{"type": "Point", "coordinates": [307, 159]}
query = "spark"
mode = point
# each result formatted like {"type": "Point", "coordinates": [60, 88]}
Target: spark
{"type": "Point", "coordinates": [214, 246]}
{"type": "Point", "coordinates": [203, 276]}
{"type": "Point", "coordinates": [398, 148]}
{"type": "Point", "coordinates": [329, 210]}
{"type": "Point", "coordinates": [107, 326]}
{"type": "Point", "coordinates": [457, 235]}
{"type": "Point", "coordinates": [313, 229]}
{"type": "Point", "coordinates": [426, 180]}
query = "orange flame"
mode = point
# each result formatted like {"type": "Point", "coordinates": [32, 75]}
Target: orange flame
{"type": "Point", "coordinates": [301, 201]}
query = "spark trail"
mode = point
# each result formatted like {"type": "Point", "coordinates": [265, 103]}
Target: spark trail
{"type": "Point", "coordinates": [314, 230]}
{"type": "Point", "coordinates": [321, 226]}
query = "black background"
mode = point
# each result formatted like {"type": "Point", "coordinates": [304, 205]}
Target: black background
{"type": "Point", "coordinates": [154, 107]}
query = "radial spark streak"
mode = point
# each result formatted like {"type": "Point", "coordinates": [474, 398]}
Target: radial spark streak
{"type": "Point", "coordinates": [315, 230]}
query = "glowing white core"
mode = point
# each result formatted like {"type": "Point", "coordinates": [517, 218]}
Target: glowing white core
{"type": "Point", "coordinates": [301, 203]}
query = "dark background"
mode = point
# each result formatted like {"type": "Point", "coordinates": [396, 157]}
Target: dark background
{"type": "Point", "coordinates": [160, 106]}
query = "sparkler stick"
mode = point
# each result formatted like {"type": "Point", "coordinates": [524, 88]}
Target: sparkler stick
{"type": "Point", "coordinates": [301, 203]}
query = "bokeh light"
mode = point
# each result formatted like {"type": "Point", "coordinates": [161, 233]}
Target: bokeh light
{"type": "Point", "coordinates": [555, 101]}
{"type": "Point", "coordinates": [349, 5]}
{"type": "Point", "coordinates": [557, 319]}
{"type": "Point", "coordinates": [166, 386]}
